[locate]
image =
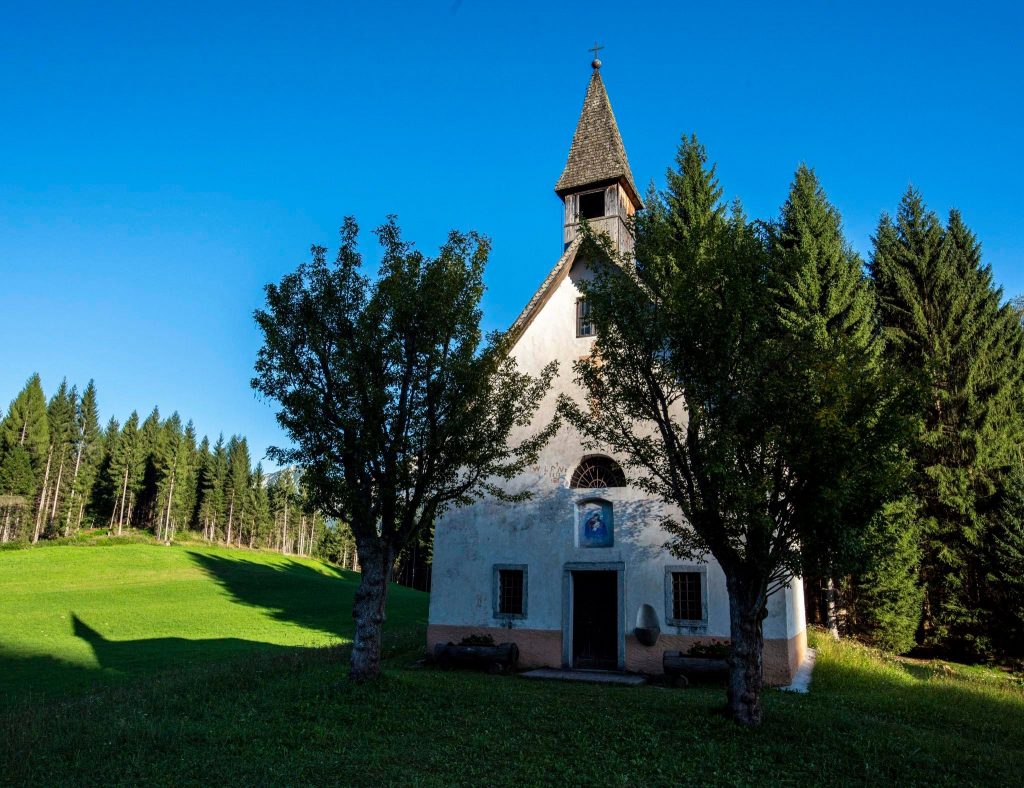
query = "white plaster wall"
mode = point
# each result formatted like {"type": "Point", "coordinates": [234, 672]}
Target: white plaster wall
{"type": "Point", "coordinates": [540, 533]}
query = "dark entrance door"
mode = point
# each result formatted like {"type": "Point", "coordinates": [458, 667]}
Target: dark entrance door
{"type": "Point", "coordinates": [595, 620]}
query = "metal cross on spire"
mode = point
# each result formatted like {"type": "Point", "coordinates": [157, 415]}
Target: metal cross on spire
{"type": "Point", "coordinates": [596, 64]}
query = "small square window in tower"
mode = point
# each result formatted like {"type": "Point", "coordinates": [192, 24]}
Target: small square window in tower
{"type": "Point", "coordinates": [686, 601]}
{"type": "Point", "coordinates": [592, 205]}
{"type": "Point", "coordinates": [510, 592]}
{"type": "Point", "coordinates": [584, 325]}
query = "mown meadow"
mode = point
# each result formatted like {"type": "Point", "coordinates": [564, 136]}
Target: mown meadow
{"type": "Point", "coordinates": [140, 663]}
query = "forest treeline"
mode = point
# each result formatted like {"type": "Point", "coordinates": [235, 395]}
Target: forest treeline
{"type": "Point", "coordinates": [60, 473]}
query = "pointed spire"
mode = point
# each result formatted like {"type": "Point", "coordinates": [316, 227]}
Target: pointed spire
{"type": "Point", "coordinates": [597, 154]}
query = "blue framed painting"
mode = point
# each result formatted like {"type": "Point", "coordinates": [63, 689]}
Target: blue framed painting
{"type": "Point", "coordinates": [595, 524]}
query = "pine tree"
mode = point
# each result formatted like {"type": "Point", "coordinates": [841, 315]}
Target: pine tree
{"type": "Point", "coordinates": [886, 593]}
{"type": "Point", "coordinates": [105, 487]}
{"type": "Point", "coordinates": [1005, 563]}
{"type": "Point", "coordinates": [87, 449]}
{"type": "Point", "coordinates": [26, 425]}
{"type": "Point", "coordinates": [126, 469]}
{"type": "Point", "coordinates": [961, 350]}
{"type": "Point", "coordinates": [17, 491]}
{"type": "Point", "coordinates": [24, 448]}
{"type": "Point", "coordinates": [237, 482]}
{"type": "Point", "coordinates": [153, 447]}
{"type": "Point", "coordinates": [825, 301]}
{"type": "Point", "coordinates": [60, 414]}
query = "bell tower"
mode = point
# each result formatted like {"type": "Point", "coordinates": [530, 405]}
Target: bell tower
{"type": "Point", "coordinates": [596, 183]}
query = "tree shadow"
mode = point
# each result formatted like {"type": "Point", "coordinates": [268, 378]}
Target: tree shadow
{"type": "Point", "coordinates": [288, 590]}
{"type": "Point", "coordinates": [30, 676]}
{"type": "Point", "coordinates": [316, 597]}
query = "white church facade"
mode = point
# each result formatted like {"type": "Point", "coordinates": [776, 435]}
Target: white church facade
{"type": "Point", "coordinates": [570, 574]}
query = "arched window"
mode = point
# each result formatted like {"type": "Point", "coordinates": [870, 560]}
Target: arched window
{"type": "Point", "coordinates": [598, 471]}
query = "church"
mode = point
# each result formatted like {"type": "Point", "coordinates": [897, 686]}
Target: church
{"type": "Point", "coordinates": [578, 575]}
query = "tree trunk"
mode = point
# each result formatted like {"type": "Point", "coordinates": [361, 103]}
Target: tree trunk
{"type": "Point", "coordinates": [56, 491]}
{"type": "Point", "coordinates": [284, 533]}
{"type": "Point", "coordinates": [81, 511]}
{"type": "Point", "coordinates": [74, 481]}
{"type": "Point", "coordinates": [124, 494]}
{"type": "Point", "coordinates": [368, 611]}
{"type": "Point", "coordinates": [231, 516]}
{"type": "Point", "coordinates": [42, 500]}
{"type": "Point", "coordinates": [747, 611]}
{"type": "Point", "coordinates": [831, 619]}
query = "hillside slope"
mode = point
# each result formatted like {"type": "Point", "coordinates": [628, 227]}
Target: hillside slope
{"type": "Point", "coordinates": [72, 617]}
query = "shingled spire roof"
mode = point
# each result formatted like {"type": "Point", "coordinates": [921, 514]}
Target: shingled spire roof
{"type": "Point", "coordinates": [597, 154]}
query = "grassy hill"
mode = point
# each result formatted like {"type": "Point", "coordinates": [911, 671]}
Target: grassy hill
{"type": "Point", "coordinates": [206, 676]}
{"type": "Point", "coordinates": [72, 617]}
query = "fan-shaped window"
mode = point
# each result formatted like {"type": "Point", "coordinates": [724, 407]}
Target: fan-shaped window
{"type": "Point", "coordinates": [598, 471]}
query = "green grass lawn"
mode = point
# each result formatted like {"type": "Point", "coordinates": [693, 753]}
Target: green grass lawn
{"type": "Point", "coordinates": [72, 617]}
{"type": "Point", "coordinates": [174, 708]}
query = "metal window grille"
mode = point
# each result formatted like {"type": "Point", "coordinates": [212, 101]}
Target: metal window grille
{"type": "Point", "coordinates": [584, 325]}
{"type": "Point", "coordinates": [510, 591]}
{"type": "Point", "coordinates": [596, 472]}
{"type": "Point", "coordinates": [686, 601]}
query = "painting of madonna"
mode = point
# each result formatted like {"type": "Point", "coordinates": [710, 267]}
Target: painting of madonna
{"type": "Point", "coordinates": [596, 525]}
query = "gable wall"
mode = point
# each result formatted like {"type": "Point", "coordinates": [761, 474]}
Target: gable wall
{"type": "Point", "coordinates": [541, 532]}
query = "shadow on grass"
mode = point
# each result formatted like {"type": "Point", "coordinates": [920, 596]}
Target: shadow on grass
{"type": "Point", "coordinates": [41, 676]}
{"type": "Point", "coordinates": [314, 597]}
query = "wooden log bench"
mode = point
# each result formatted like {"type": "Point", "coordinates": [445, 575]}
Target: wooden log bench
{"type": "Point", "coordinates": [494, 659]}
{"type": "Point", "coordinates": [680, 668]}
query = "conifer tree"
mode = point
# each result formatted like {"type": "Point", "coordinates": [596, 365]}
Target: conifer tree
{"type": "Point", "coordinates": [26, 425]}
{"type": "Point", "coordinates": [1005, 566]}
{"type": "Point", "coordinates": [960, 349]}
{"type": "Point", "coordinates": [60, 414]}
{"type": "Point", "coordinates": [87, 450]}
{"type": "Point", "coordinates": [105, 487]}
{"type": "Point", "coordinates": [237, 483]}
{"type": "Point", "coordinates": [24, 448]}
{"type": "Point", "coordinates": [126, 469]}
{"type": "Point", "coordinates": [825, 302]}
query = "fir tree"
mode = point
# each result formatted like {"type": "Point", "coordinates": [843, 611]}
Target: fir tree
{"type": "Point", "coordinates": [1005, 563]}
{"type": "Point", "coordinates": [60, 414]}
{"type": "Point", "coordinates": [24, 449]}
{"type": "Point", "coordinates": [87, 449]}
{"type": "Point", "coordinates": [826, 303]}
{"type": "Point", "coordinates": [960, 349]}
{"type": "Point", "coordinates": [26, 425]}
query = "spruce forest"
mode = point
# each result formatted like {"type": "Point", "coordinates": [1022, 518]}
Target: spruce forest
{"type": "Point", "coordinates": [62, 475]}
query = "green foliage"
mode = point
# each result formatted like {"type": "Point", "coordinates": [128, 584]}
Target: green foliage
{"type": "Point", "coordinates": [26, 425]}
{"type": "Point", "coordinates": [960, 349]}
{"type": "Point", "coordinates": [886, 590]}
{"type": "Point", "coordinates": [735, 369]}
{"type": "Point", "coordinates": [398, 407]}
{"type": "Point", "coordinates": [1005, 562]}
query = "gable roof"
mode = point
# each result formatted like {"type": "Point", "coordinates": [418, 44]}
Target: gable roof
{"type": "Point", "coordinates": [597, 154]}
{"type": "Point", "coordinates": [547, 287]}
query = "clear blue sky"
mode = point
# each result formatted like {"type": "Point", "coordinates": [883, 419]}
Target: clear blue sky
{"type": "Point", "coordinates": [160, 162]}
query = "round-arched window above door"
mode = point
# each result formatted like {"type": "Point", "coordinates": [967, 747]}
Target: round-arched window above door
{"type": "Point", "coordinates": [597, 471]}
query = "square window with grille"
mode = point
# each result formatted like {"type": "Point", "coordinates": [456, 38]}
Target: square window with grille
{"type": "Point", "coordinates": [584, 324]}
{"type": "Point", "coordinates": [511, 592]}
{"type": "Point", "coordinates": [687, 604]}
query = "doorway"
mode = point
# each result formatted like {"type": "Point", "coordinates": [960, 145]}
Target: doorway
{"type": "Point", "coordinates": [595, 620]}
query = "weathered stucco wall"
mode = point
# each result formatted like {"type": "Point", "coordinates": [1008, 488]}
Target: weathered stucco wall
{"type": "Point", "coordinates": [541, 534]}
